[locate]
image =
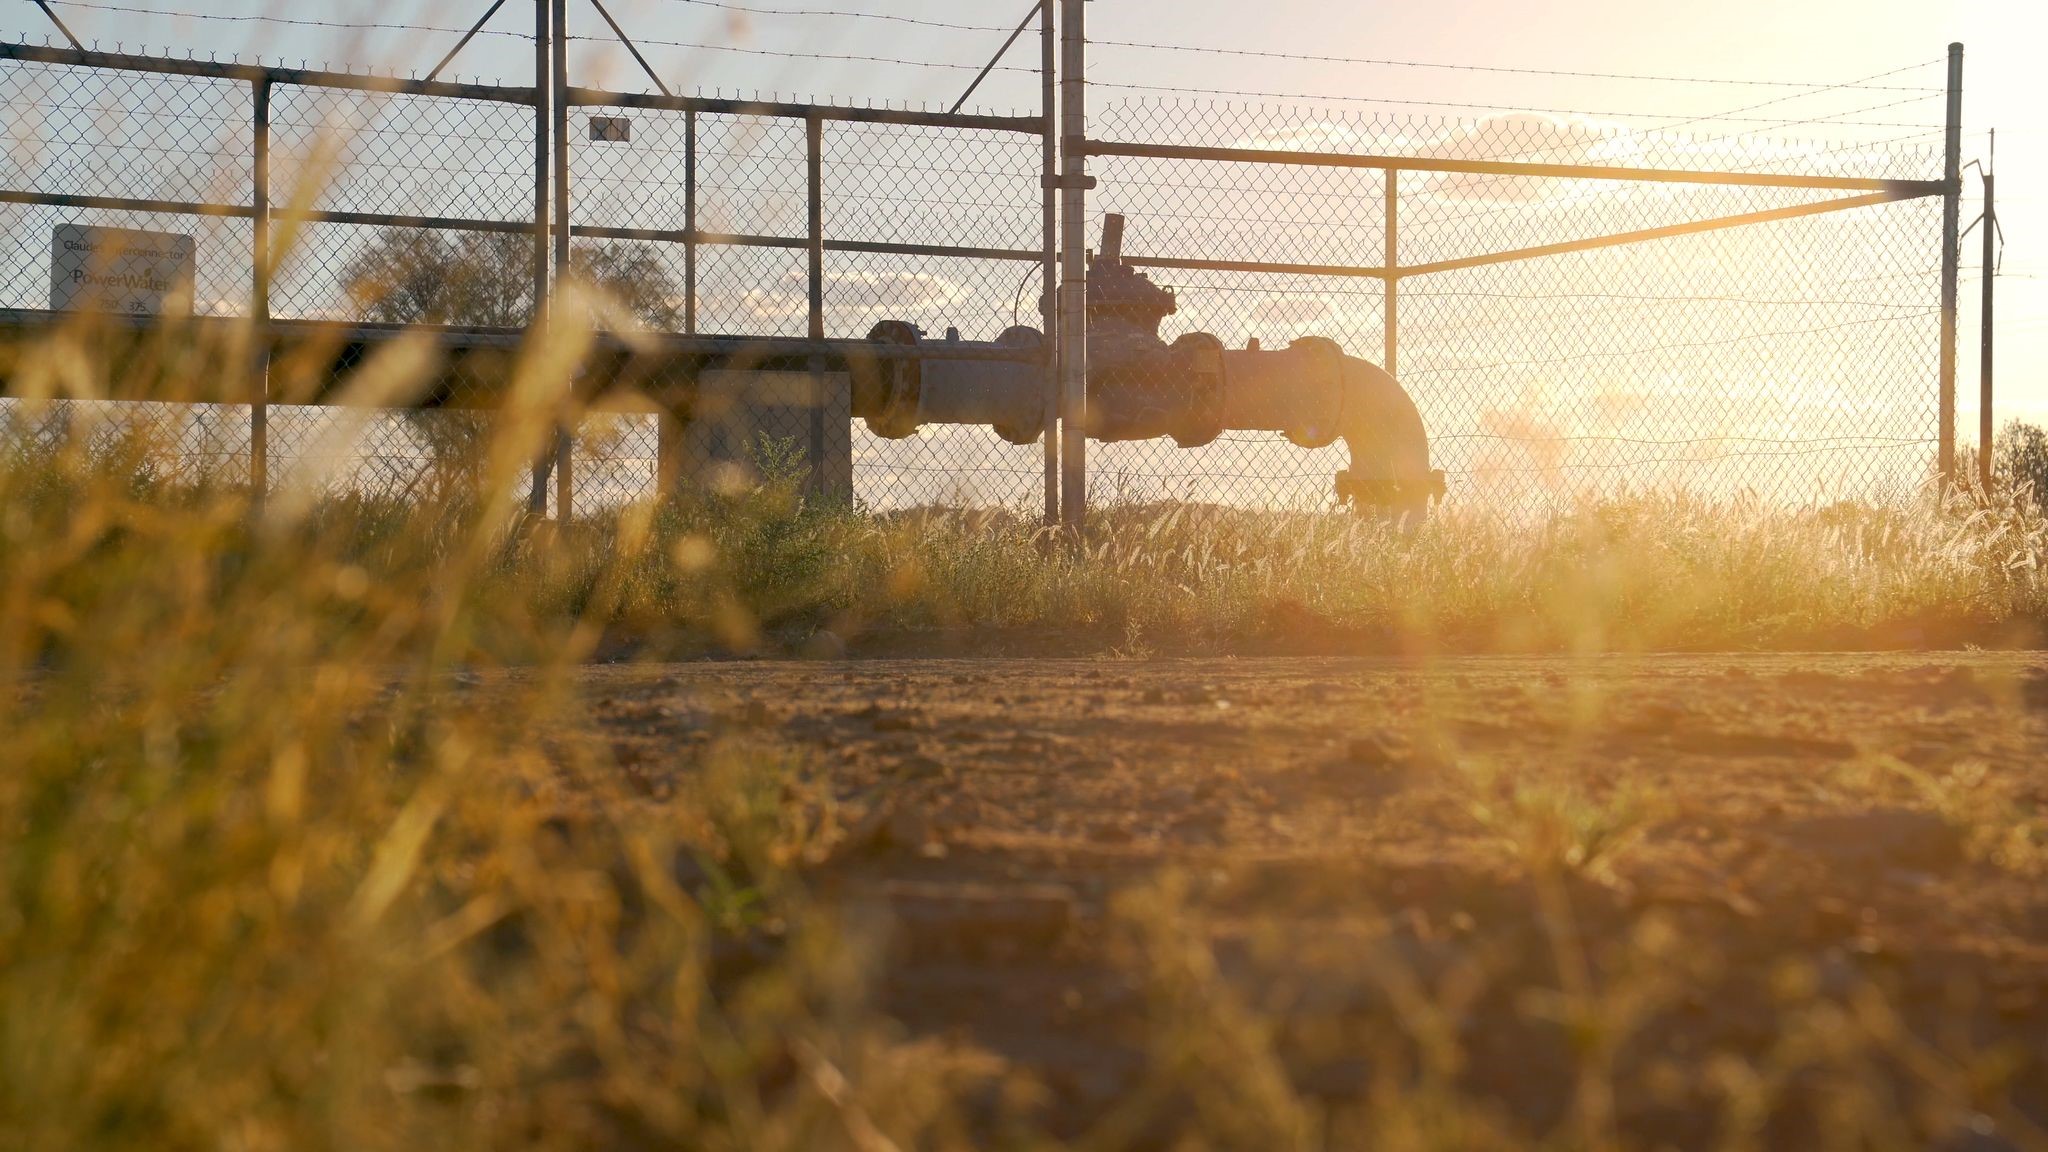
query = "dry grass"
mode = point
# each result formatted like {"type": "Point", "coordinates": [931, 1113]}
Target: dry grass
{"type": "Point", "coordinates": [274, 877]}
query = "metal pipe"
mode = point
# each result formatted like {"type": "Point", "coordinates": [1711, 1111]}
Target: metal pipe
{"type": "Point", "coordinates": [250, 73]}
{"type": "Point", "coordinates": [1048, 292]}
{"type": "Point", "coordinates": [390, 220]}
{"type": "Point", "coordinates": [997, 58]}
{"type": "Point", "coordinates": [1984, 360]}
{"type": "Point", "coordinates": [467, 37]}
{"type": "Point", "coordinates": [1951, 251]}
{"type": "Point", "coordinates": [740, 240]}
{"type": "Point", "coordinates": [537, 494]}
{"type": "Point", "coordinates": [748, 240]}
{"type": "Point", "coordinates": [814, 214]}
{"type": "Point", "coordinates": [1509, 168]}
{"type": "Point", "coordinates": [1027, 125]}
{"type": "Point", "coordinates": [45, 6]}
{"type": "Point", "coordinates": [1839, 204]}
{"type": "Point", "coordinates": [631, 47]}
{"type": "Point", "coordinates": [690, 223]}
{"type": "Point", "coordinates": [757, 348]}
{"type": "Point", "coordinates": [565, 444]}
{"type": "Point", "coordinates": [668, 434]}
{"type": "Point", "coordinates": [128, 204]}
{"type": "Point", "coordinates": [687, 235]}
{"type": "Point", "coordinates": [1074, 291]}
{"type": "Point", "coordinates": [245, 211]}
{"type": "Point", "coordinates": [259, 296]}
{"type": "Point", "coordinates": [1392, 289]}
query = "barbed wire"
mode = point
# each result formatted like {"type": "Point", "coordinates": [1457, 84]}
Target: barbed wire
{"type": "Point", "coordinates": [1830, 118]}
{"type": "Point", "coordinates": [1508, 109]}
{"type": "Point", "coordinates": [1860, 84]}
{"type": "Point", "coordinates": [1502, 69]}
{"type": "Point", "coordinates": [858, 58]}
{"type": "Point", "coordinates": [225, 18]}
{"type": "Point", "coordinates": [834, 12]}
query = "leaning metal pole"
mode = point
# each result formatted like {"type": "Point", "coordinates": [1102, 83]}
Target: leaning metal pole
{"type": "Point", "coordinates": [1984, 421]}
{"type": "Point", "coordinates": [537, 496]}
{"type": "Point", "coordinates": [1048, 293]}
{"type": "Point", "coordinates": [1073, 327]}
{"type": "Point", "coordinates": [1951, 250]}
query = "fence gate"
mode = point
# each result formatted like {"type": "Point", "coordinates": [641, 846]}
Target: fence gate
{"type": "Point", "coordinates": [1575, 311]}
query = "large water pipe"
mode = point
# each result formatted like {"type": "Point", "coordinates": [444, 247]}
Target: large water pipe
{"type": "Point", "coordinates": [1192, 390]}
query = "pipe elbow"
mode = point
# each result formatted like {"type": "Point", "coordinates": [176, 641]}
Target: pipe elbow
{"type": "Point", "coordinates": [1389, 447]}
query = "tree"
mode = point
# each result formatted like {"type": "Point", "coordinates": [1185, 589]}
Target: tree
{"type": "Point", "coordinates": [2019, 459]}
{"type": "Point", "coordinates": [443, 276]}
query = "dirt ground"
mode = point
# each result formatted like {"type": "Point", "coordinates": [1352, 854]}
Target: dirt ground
{"type": "Point", "coordinates": [1494, 868]}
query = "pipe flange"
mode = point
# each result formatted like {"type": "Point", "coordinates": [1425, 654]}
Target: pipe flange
{"type": "Point", "coordinates": [1329, 358]}
{"type": "Point", "coordinates": [887, 394]}
{"type": "Point", "coordinates": [1200, 363]}
{"type": "Point", "coordinates": [1019, 336]}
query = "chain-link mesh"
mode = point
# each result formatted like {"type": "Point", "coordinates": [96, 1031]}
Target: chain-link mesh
{"type": "Point", "coordinates": [881, 185]}
{"type": "Point", "coordinates": [80, 132]}
{"type": "Point", "coordinates": [1794, 358]}
{"type": "Point", "coordinates": [157, 445]}
{"type": "Point", "coordinates": [351, 153]}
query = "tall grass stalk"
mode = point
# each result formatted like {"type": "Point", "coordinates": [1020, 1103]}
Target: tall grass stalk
{"type": "Point", "coordinates": [301, 849]}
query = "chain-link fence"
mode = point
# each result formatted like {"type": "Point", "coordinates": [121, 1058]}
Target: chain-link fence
{"type": "Point", "coordinates": [709, 225]}
{"type": "Point", "coordinates": [1574, 311]}
{"type": "Point", "coordinates": [858, 292]}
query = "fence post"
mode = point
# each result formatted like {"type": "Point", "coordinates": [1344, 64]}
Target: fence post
{"type": "Point", "coordinates": [668, 435]}
{"type": "Point", "coordinates": [1392, 280]}
{"type": "Point", "coordinates": [1048, 292]}
{"type": "Point", "coordinates": [537, 496]}
{"type": "Point", "coordinates": [1073, 328]}
{"type": "Point", "coordinates": [690, 222]}
{"type": "Point", "coordinates": [1951, 251]}
{"type": "Point", "coordinates": [259, 296]}
{"type": "Point", "coordinates": [565, 444]}
{"type": "Point", "coordinates": [1984, 421]}
{"type": "Point", "coordinates": [814, 197]}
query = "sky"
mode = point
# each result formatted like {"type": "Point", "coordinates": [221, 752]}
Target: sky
{"type": "Point", "coordinates": [697, 45]}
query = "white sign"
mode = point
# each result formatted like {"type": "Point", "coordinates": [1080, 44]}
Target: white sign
{"type": "Point", "coordinates": [118, 269]}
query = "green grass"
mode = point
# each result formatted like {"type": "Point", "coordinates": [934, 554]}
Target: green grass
{"type": "Point", "coordinates": [279, 873]}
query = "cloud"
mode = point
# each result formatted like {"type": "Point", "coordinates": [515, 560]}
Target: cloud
{"type": "Point", "coordinates": [1291, 311]}
{"type": "Point", "coordinates": [855, 293]}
